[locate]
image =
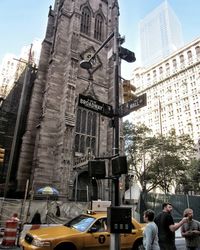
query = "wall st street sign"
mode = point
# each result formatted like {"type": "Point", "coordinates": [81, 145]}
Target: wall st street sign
{"type": "Point", "coordinates": [133, 105]}
{"type": "Point", "coordinates": [95, 105]}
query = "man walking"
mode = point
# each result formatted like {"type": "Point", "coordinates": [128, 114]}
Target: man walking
{"type": "Point", "coordinates": [191, 231]}
{"type": "Point", "coordinates": [167, 228]}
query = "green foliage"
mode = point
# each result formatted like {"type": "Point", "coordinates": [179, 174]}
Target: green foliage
{"type": "Point", "coordinates": [159, 161]}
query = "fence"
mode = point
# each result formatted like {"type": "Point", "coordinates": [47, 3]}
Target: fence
{"type": "Point", "coordinates": [180, 203]}
{"type": "Point", "coordinates": [46, 208]}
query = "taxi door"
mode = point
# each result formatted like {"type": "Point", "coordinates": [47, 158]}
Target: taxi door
{"type": "Point", "coordinates": [127, 240]}
{"type": "Point", "coordinates": [97, 236]}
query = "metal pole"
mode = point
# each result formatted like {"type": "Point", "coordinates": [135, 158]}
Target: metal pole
{"type": "Point", "coordinates": [115, 238]}
{"type": "Point", "coordinates": [162, 145]}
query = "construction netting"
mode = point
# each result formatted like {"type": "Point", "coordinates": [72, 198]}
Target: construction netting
{"type": "Point", "coordinates": [180, 203]}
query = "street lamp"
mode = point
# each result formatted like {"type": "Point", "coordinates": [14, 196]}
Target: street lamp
{"type": "Point", "coordinates": [162, 143]}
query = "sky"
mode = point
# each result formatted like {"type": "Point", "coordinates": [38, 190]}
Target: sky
{"type": "Point", "coordinates": [22, 21]}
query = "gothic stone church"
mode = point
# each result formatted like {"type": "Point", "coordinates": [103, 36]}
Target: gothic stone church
{"type": "Point", "coordinates": [61, 136]}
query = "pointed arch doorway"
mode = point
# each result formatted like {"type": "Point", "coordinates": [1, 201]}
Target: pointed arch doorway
{"type": "Point", "coordinates": [85, 189]}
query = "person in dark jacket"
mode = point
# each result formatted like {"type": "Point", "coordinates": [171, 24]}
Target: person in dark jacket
{"type": "Point", "coordinates": [36, 218]}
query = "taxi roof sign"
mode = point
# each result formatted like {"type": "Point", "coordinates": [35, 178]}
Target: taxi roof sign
{"type": "Point", "coordinates": [100, 206]}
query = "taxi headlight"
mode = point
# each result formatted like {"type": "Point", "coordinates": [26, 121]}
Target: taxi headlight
{"type": "Point", "coordinates": [39, 243]}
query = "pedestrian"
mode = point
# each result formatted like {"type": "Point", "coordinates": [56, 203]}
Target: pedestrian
{"type": "Point", "coordinates": [36, 218]}
{"type": "Point", "coordinates": [150, 236]}
{"type": "Point", "coordinates": [191, 231]}
{"type": "Point", "coordinates": [167, 228]}
{"type": "Point", "coordinates": [15, 217]}
{"type": "Point", "coordinates": [57, 211]}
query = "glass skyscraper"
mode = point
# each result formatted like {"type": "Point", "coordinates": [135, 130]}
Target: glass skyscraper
{"type": "Point", "coordinates": [160, 34]}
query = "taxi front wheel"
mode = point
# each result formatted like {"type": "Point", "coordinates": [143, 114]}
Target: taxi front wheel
{"type": "Point", "coordinates": [64, 246]}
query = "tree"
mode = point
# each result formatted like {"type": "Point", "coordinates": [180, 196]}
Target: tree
{"type": "Point", "coordinates": [191, 181]}
{"type": "Point", "coordinates": [157, 161]}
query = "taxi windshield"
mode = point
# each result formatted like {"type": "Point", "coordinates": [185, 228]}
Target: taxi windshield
{"type": "Point", "coordinates": [81, 222]}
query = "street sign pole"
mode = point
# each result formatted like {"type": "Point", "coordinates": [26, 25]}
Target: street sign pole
{"type": "Point", "coordinates": [115, 238]}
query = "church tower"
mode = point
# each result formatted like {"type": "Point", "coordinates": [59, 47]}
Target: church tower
{"type": "Point", "coordinates": [60, 135]}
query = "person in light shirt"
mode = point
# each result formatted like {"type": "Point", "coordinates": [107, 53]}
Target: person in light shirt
{"type": "Point", "coordinates": [150, 237]}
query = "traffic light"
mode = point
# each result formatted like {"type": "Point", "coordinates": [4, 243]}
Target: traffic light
{"type": "Point", "coordinates": [128, 91]}
{"type": "Point", "coordinates": [97, 169]}
{"type": "Point", "coordinates": [126, 55]}
{"type": "Point", "coordinates": [2, 154]}
{"type": "Point", "coordinates": [119, 165]}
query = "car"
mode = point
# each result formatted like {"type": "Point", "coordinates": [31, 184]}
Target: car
{"type": "Point", "coordinates": [84, 232]}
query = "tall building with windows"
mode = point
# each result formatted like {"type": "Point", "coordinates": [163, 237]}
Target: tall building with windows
{"type": "Point", "coordinates": [12, 66]}
{"type": "Point", "coordinates": [173, 93]}
{"type": "Point", "coordinates": [8, 69]}
{"type": "Point", "coordinates": [160, 34]}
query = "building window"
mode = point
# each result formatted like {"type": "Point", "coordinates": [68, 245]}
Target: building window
{"type": "Point", "coordinates": [167, 68]}
{"type": "Point", "coordinates": [161, 70]}
{"type": "Point", "coordinates": [189, 54]}
{"type": "Point", "coordinates": [197, 49]}
{"type": "Point", "coordinates": [181, 59]}
{"type": "Point", "coordinates": [148, 78]}
{"type": "Point", "coordinates": [85, 135]}
{"type": "Point", "coordinates": [98, 29]}
{"type": "Point", "coordinates": [85, 21]}
{"type": "Point", "coordinates": [154, 74]}
{"type": "Point", "coordinates": [174, 63]}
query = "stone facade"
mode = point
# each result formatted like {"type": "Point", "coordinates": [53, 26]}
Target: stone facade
{"type": "Point", "coordinates": [50, 152]}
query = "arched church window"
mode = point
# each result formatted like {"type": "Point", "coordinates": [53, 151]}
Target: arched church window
{"type": "Point", "coordinates": [89, 124]}
{"type": "Point", "coordinates": [85, 134]}
{"type": "Point", "coordinates": [88, 142]}
{"type": "Point", "coordinates": [98, 28]}
{"type": "Point", "coordinates": [78, 124]}
{"type": "Point", "coordinates": [85, 21]}
{"type": "Point", "coordinates": [94, 120]}
{"type": "Point", "coordinates": [83, 122]}
{"type": "Point", "coordinates": [76, 143]}
{"type": "Point", "coordinates": [93, 145]}
{"type": "Point", "coordinates": [82, 144]}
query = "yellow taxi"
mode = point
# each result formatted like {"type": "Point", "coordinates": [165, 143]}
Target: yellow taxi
{"type": "Point", "coordinates": [84, 232]}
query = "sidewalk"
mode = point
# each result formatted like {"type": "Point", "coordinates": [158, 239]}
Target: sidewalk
{"type": "Point", "coordinates": [10, 247]}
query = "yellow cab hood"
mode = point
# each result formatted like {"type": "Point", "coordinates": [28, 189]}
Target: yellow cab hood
{"type": "Point", "coordinates": [53, 232]}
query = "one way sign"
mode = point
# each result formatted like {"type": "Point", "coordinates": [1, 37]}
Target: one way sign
{"type": "Point", "coordinates": [133, 105]}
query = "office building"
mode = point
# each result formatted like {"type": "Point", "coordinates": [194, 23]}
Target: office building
{"type": "Point", "coordinates": [160, 34]}
{"type": "Point", "coordinates": [173, 93]}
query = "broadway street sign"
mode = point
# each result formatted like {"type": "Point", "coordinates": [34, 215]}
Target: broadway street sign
{"type": "Point", "coordinates": [133, 105]}
{"type": "Point", "coordinates": [95, 105]}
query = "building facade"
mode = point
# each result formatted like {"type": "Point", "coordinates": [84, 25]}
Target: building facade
{"type": "Point", "coordinates": [8, 70]}
{"type": "Point", "coordinates": [12, 67]}
{"type": "Point", "coordinates": [173, 93]}
{"type": "Point", "coordinates": [160, 34]}
{"type": "Point", "coordinates": [60, 136]}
